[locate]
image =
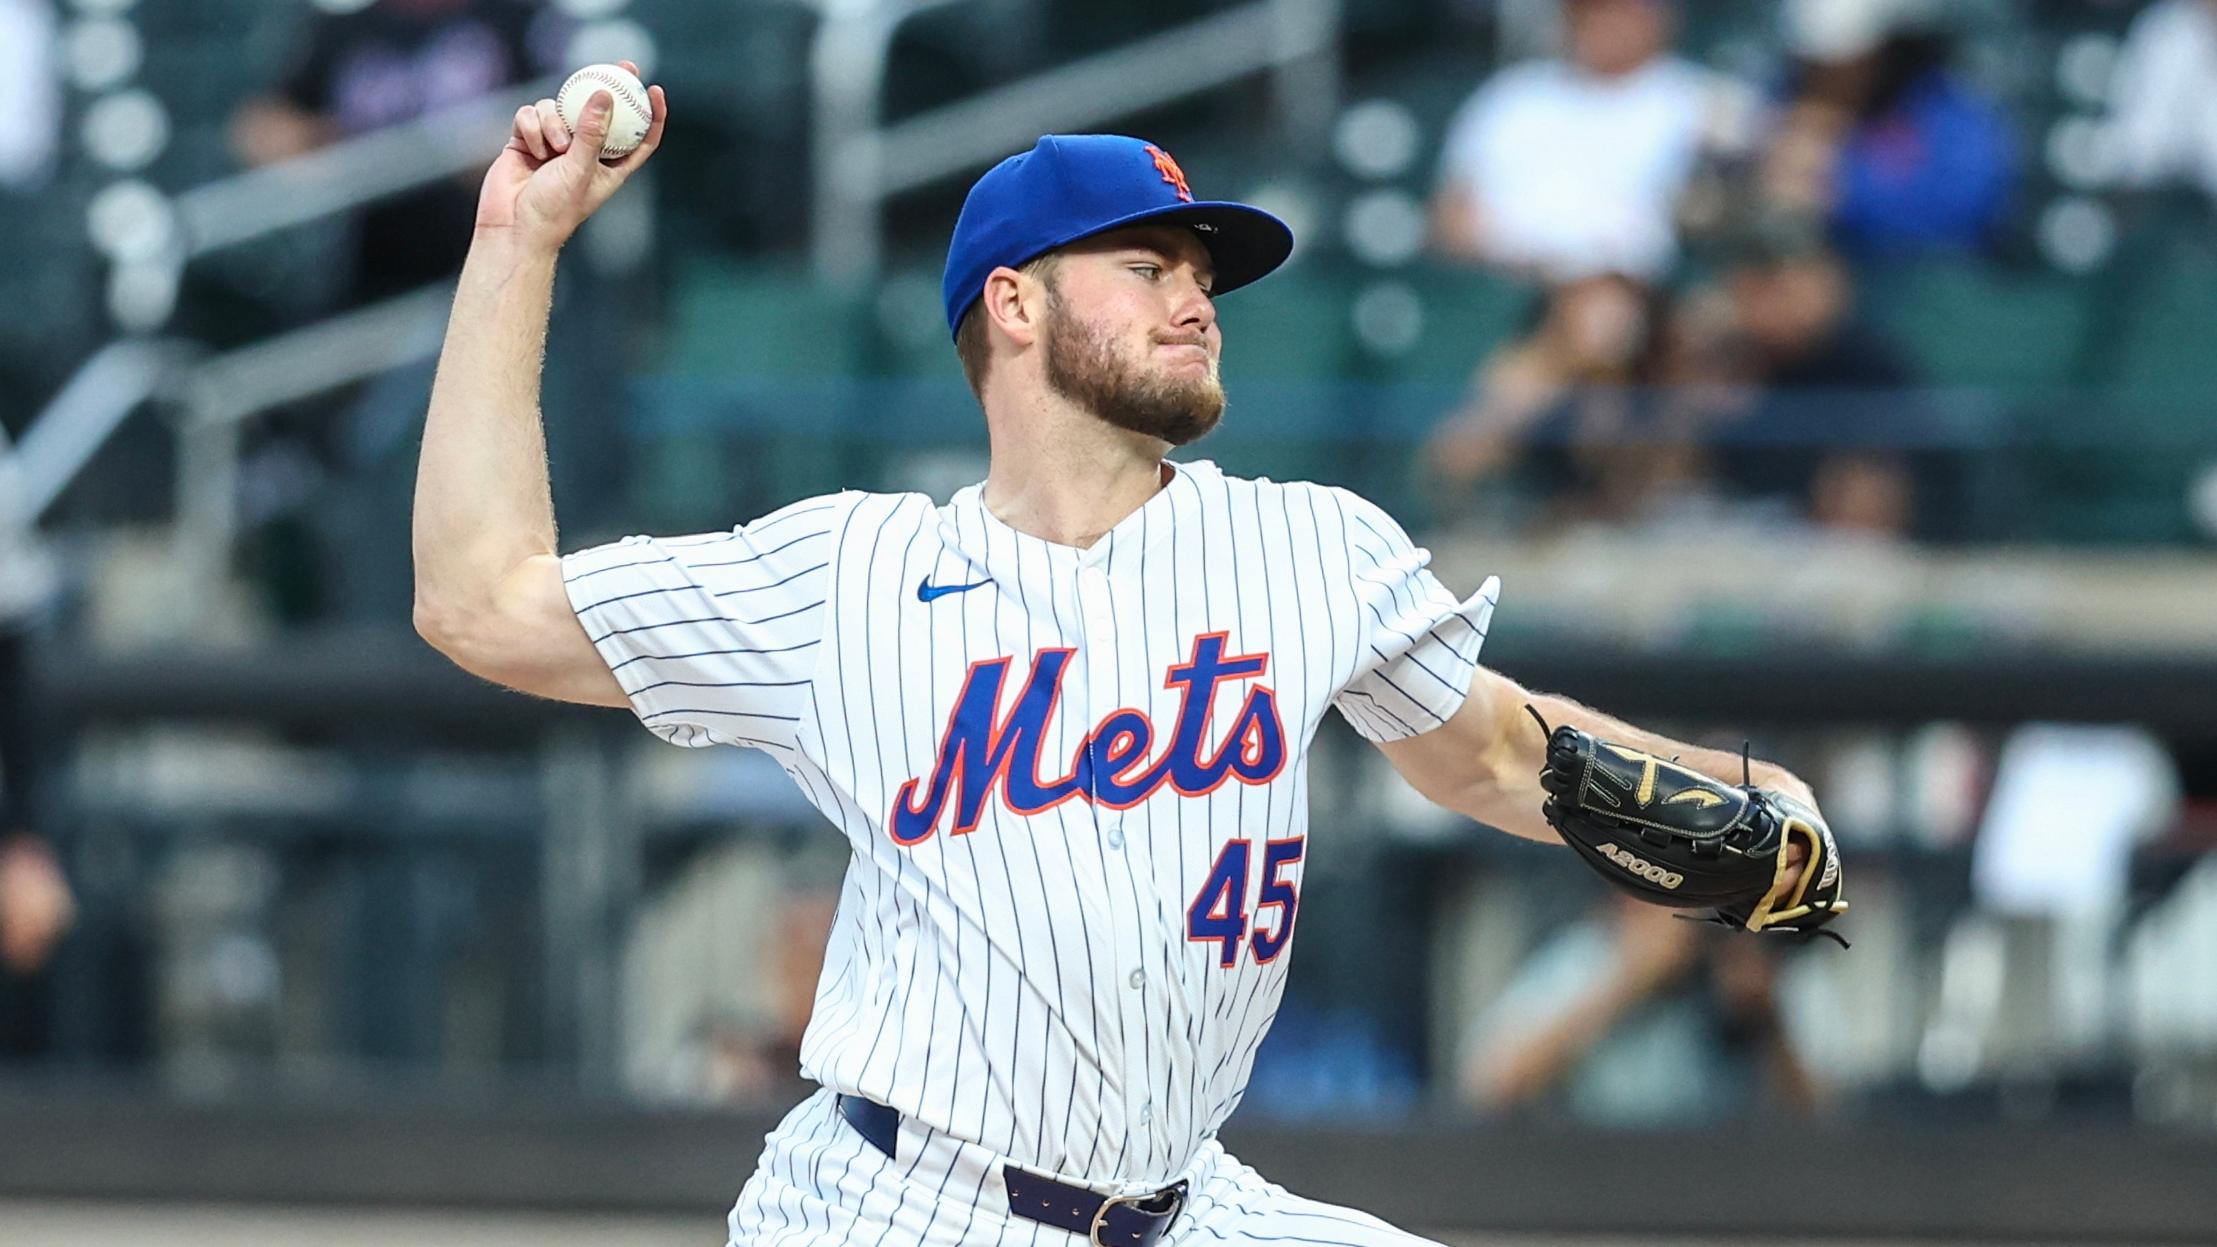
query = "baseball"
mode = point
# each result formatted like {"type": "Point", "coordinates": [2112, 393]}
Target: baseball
{"type": "Point", "coordinates": [627, 124]}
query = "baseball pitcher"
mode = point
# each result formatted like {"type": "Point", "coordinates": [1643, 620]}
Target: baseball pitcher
{"type": "Point", "coordinates": [1062, 720]}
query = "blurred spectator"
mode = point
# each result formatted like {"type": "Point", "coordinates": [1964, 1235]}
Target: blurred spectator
{"type": "Point", "coordinates": [1883, 136]}
{"type": "Point", "coordinates": [35, 904]}
{"type": "Point", "coordinates": [1575, 411]}
{"type": "Point", "coordinates": [1784, 370]}
{"type": "Point", "coordinates": [2163, 97]}
{"type": "Point", "coordinates": [36, 910]}
{"type": "Point", "coordinates": [324, 494]}
{"type": "Point", "coordinates": [1568, 168]}
{"type": "Point", "coordinates": [379, 66]}
{"type": "Point", "coordinates": [723, 967]}
{"type": "Point", "coordinates": [30, 95]}
{"type": "Point", "coordinates": [42, 213]}
{"type": "Point", "coordinates": [1621, 407]}
{"type": "Point", "coordinates": [1632, 1017]}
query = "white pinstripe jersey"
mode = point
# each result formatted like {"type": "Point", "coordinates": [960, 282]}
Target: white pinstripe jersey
{"type": "Point", "coordinates": [1074, 781]}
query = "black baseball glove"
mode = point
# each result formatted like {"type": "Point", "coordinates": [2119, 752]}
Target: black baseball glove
{"type": "Point", "coordinates": [1672, 836]}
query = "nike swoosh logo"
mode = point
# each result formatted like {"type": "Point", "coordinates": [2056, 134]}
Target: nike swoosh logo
{"type": "Point", "coordinates": [926, 591]}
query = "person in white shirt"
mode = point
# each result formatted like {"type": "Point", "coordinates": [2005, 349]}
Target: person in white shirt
{"type": "Point", "coordinates": [2163, 97]}
{"type": "Point", "coordinates": [1568, 168]}
{"type": "Point", "coordinates": [30, 95]}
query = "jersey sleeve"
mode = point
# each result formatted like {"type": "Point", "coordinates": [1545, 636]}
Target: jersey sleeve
{"type": "Point", "coordinates": [1417, 646]}
{"type": "Point", "coordinates": [714, 637]}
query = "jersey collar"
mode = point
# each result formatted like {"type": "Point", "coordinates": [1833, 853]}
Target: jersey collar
{"type": "Point", "coordinates": [986, 541]}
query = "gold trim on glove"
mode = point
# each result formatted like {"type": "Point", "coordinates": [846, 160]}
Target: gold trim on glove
{"type": "Point", "coordinates": [1813, 867]}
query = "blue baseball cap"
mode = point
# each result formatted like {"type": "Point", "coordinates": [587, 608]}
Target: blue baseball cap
{"type": "Point", "coordinates": [1072, 186]}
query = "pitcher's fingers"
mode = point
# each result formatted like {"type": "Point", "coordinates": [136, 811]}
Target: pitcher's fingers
{"type": "Point", "coordinates": [661, 106]}
{"type": "Point", "coordinates": [630, 67]}
{"type": "Point", "coordinates": [529, 133]}
{"type": "Point", "coordinates": [550, 121]}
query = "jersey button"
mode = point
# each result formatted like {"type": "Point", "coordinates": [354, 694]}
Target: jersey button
{"type": "Point", "coordinates": [1138, 979]}
{"type": "Point", "coordinates": [1115, 838]}
{"type": "Point", "coordinates": [1147, 1111]}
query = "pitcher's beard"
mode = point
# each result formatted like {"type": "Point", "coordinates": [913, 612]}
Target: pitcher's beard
{"type": "Point", "coordinates": [1083, 367]}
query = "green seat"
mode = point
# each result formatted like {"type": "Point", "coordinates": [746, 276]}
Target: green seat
{"type": "Point", "coordinates": [1292, 325]}
{"type": "Point", "coordinates": [2115, 469]}
{"type": "Point", "coordinates": [2102, 373]}
{"type": "Point", "coordinates": [1467, 316]}
{"type": "Point", "coordinates": [197, 79]}
{"type": "Point", "coordinates": [2148, 432]}
{"type": "Point", "coordinates": [1966, 323]}
{"type": "Point", "coordinates": [721, 58]}
{"type": "Point", "coordinates": [728, 320]}
{"type": "Point", "coordinates": [2117, 455]}
{"type": "Point", "coordinates": [2163, 352]}
{"type": "Point", "coordinates": [756, 374]}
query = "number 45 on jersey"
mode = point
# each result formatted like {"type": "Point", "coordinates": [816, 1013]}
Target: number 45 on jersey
{"type": "Point", "coordinates": [1219, 911]}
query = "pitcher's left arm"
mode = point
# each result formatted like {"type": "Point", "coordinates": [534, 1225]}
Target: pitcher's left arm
{"type": "Point", "coordinates": [1485, 760]}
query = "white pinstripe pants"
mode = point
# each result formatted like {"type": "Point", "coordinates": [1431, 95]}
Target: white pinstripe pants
{"type": "Point", "coordinates": [820, 1184]}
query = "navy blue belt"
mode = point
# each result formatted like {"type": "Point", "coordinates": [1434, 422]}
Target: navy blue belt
{"type": "Point", "coordinates": [1110, 1220]}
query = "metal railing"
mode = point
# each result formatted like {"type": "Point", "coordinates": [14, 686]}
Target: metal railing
{"type": "Point", "coordinates": [218, 396]}
{"type": "Point", "coordinates": [230, 211]}
{"type": "Point", "coordinates": [212, 397]}
{"type": "Point", "coordinates": [345, 175]}
{"type": "Point", "coordinates": [860, 163]}
{"type": "Point", "coordinates": [79, 420]}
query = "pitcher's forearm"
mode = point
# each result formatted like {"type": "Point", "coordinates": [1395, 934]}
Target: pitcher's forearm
{"type": "Point", "coordinates": [483, 504]}
{"type": "Point", "coordinates": [1488, 758]}
{"type": "Point", "coordinates": [1717, 764]}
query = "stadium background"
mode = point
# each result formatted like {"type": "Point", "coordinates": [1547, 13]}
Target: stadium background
{"type": "Point", "coordinates": [362, 949]}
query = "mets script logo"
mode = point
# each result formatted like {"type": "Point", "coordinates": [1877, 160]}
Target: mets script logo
{"type": "Point", "coordinates": [984, 750]}
{"type": "Point", "coordinates": [1170, 172]}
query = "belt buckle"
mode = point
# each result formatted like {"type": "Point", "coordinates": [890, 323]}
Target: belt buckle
{"type": "Point", "coordinates": [1138, 1202]}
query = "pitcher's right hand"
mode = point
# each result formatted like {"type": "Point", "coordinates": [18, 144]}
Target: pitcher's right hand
{"type": "Point", "coordinates": [546, 181]}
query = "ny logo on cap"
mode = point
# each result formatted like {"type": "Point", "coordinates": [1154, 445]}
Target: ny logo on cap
{"type": "Point", "coordinates": [1170, 172]}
